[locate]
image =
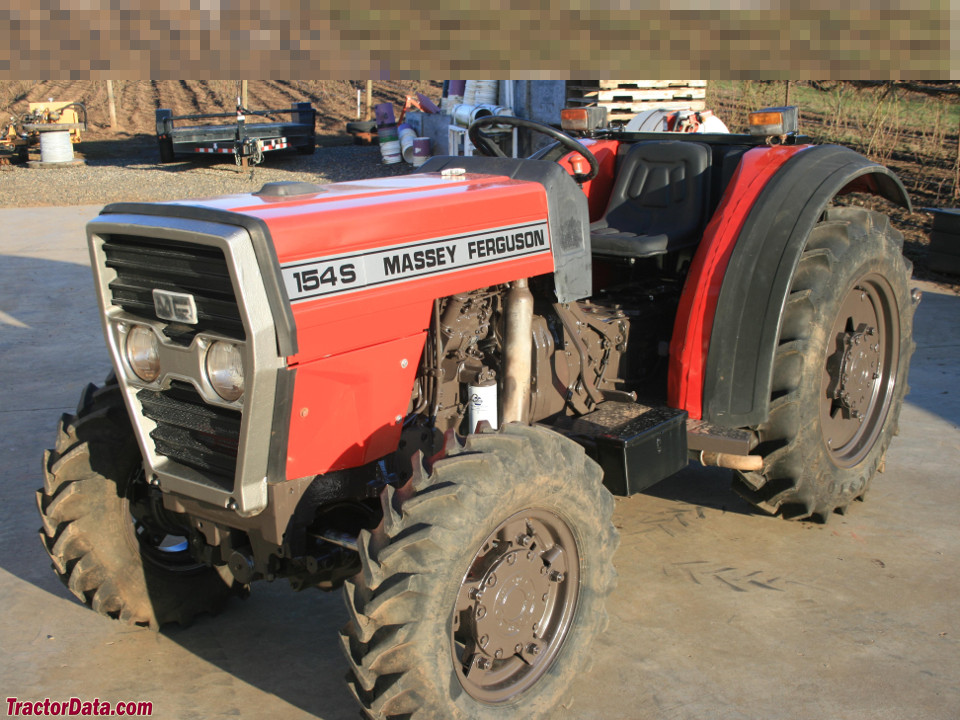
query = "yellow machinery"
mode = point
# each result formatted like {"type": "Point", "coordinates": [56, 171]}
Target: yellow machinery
{"type": "Point", "coordinates": [20, 132]}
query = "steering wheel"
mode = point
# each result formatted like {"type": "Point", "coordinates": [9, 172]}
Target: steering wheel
{"type": "Point", "coordinates": [486, 146]}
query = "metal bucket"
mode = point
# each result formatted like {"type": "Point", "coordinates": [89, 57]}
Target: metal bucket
{"type": "Point", "coordinates": [499, 110]}
{"type": "Point", "coordinates": [465, 114]}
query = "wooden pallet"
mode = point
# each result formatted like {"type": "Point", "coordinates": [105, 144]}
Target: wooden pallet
{"type": "Point", "coordinates": [641, 84]}
{"type": "Point", "coordinates": [625, 98]}
{"type": "Point", "coordinates": [624, 113]}
{"type": "Point", "coordinates": [621, 95]}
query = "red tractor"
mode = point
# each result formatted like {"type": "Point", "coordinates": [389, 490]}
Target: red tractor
{"type": "Point", "coordinates": [426, 389]}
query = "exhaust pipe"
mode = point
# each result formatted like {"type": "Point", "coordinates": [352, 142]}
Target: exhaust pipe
{"type": "Point", "coordinates": [746, 463]}
{"type": "Point", "coordinates": [517, 352]}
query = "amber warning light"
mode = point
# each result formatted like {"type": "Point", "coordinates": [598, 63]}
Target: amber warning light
{"type": "Point", "coordinates": [583, 119]}
{"type": "Point", "coordinates": [774, 121]}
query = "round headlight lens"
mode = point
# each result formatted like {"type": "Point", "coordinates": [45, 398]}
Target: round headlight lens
{"type": "Point", "coordinates": [143, 353]}
{"type": "Point", "coordinates": [225, 370]}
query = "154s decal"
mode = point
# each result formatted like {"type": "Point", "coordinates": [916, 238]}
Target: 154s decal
{"type": "Point", "coordinates": [308, 279]}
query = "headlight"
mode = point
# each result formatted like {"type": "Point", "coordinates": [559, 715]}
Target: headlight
{"type": "Point", "coordinates": [225, 370]}
{"type": "Point", "coordinates": [142, 353]}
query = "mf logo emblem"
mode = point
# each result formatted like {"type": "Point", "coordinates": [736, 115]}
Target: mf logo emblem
{"type": "Point", "coordinates": [176, 307]}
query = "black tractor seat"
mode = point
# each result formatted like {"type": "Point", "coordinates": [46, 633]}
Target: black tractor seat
{"type": "Point", "coordinates": [658, 202]}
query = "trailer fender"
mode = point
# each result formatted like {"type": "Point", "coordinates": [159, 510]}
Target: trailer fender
{"type": "Point", "coordinates": [746, 325]}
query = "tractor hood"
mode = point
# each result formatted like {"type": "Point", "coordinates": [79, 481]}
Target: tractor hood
{"type": "Point", "coordinates": [349, 265]}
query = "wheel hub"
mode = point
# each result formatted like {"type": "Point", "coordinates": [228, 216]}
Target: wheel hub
{"type": "Point", "coordinates": [859, 374]}
{"type": "Point", "coordinates": [515, 605]}
{"type": "Point", "coordinates": [859, 370]}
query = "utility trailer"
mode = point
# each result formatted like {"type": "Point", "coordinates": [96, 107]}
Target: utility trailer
{"type": "Point", "coordinates": [242, 139]}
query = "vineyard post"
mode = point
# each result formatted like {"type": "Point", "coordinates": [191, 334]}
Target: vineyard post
{"type": "Point", "coordinates": [111, 105]}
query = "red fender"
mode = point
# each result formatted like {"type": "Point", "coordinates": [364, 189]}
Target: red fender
{"type": "Point", "coordinates": [698, 301]}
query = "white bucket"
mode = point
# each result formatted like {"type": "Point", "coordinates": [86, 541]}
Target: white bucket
{"type": "Point", "coordinates": [448, 103]}
{"type": "Point", "coordinates": [488, 92]}
{"type": "Point", "coordinates": [407, 136]}
{"type": "Point", "coordinates": [465, 114]}
{"type": "Point", "coordinates": [390, 151]}
{"type": "Point", "coordinates": [55, 146]}
{"type": "Point", "coordinates": [470, 93]}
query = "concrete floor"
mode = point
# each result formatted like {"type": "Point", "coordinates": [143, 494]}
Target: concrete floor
{"type": "Point", "coordinates": [720, 612]}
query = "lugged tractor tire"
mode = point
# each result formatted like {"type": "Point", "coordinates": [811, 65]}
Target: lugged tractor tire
{"type": "Point", "coordinates": [89, 529]}
{"type": "Point", "coordinates": [840, 369]}
{"type": "Point", "coordinates": [448, 580]}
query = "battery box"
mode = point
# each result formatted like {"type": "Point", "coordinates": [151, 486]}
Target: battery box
{"type": "Point", "coordinates": [636, 445]}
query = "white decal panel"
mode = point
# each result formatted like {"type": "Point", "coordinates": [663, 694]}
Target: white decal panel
{"type": "Point", "coordinates": [349, 272]}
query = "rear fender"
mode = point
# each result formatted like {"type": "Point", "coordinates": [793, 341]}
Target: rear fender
{"type": "Point", "coordinates": [746, 324]}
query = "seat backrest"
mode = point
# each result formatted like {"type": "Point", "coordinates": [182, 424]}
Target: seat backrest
{"type": "Point", "coordinates": [661, 189]}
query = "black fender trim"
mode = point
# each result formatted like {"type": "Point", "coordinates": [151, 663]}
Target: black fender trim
{"type": "Point", "coordinates": [286, 327]}
{"type": "Point", "coordinates": [746, 325]}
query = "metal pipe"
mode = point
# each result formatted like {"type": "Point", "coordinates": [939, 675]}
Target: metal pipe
{"type": "Point", "coordinates": [747, 463]}
{"type": "Point", "coordinates": [517, 352]}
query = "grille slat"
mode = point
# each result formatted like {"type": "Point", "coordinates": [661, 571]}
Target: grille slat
{"type": "Point", "coordinates": [144, 264]}
{"type": "Point", "coordinates": [192, 433]}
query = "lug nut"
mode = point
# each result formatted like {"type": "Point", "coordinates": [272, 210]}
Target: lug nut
{"type": "Point", "coordinates": [533, 649]}
{"type": "Point", "coordinates": [483, 663]}
{"type": "Point", "coordinates": [556, 576]}
{"type": "Point", "coordinates": [524, 540]}
{"type": "Point", "coordinates": [475, 594]}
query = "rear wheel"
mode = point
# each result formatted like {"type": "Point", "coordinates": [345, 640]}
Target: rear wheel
{"type": "Point", "coordinates": [111, 542]}
{"type": "Point", "coordinates": [485, 584]}
{"type": "Point", "coordinates": [840, 370]}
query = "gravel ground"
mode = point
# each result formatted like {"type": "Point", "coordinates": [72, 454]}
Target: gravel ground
{"type": "Point", "coordinates": [130, 172]}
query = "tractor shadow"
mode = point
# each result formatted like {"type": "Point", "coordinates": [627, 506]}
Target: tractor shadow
{"type": "Point", "coordinates": [283, 643]}
{"type": "Point", "coordinates": [702, 487]}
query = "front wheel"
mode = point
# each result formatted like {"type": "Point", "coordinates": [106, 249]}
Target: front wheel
{"type": "Point", "coordinates": [484, 585]}
{"type": "Point", "coordinates": [111, 542]}
{"type": "Point", "coordinates": [840, 369]}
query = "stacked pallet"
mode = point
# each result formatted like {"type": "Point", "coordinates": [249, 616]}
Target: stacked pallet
{"type": "Point", "coordinates": [625, 98]}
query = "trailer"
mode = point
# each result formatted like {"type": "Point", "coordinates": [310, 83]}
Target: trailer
{"type": "Point", "coordinates": [246, 141]}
